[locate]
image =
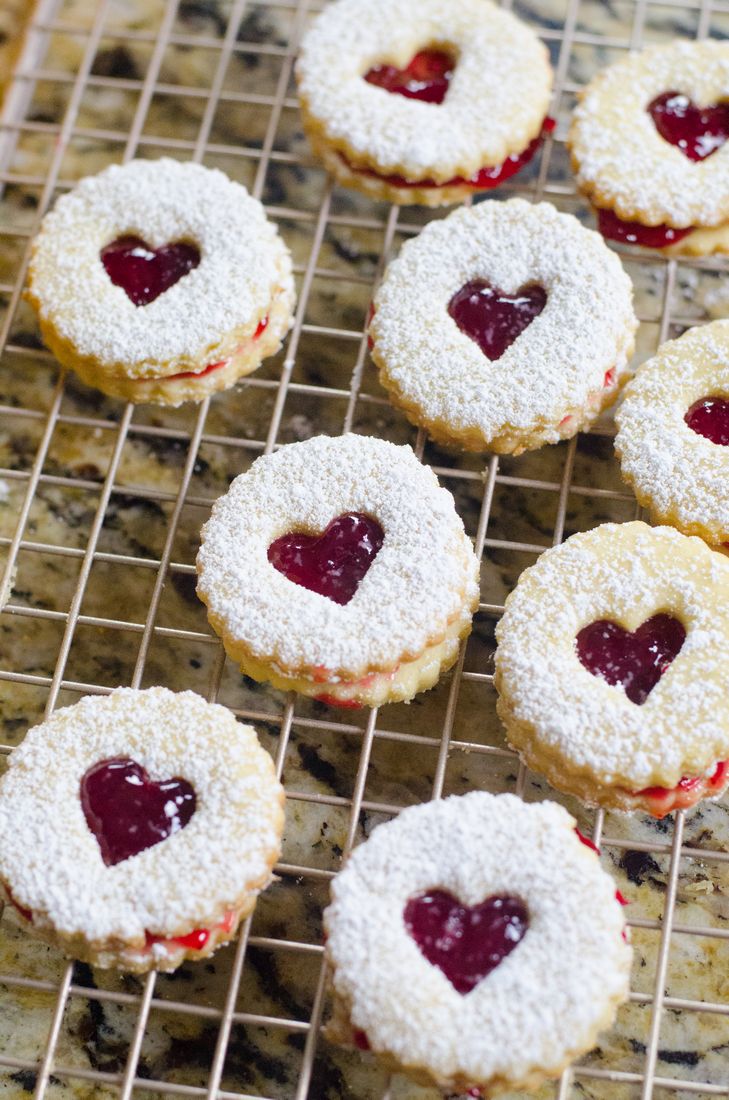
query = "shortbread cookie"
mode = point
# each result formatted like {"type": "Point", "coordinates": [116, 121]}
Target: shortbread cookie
{"type": "Point", "coordinates": [423, 101]}
{"type": "Point", "coordinates": [339, 568]}
{"type": "Point", "coordinates": [160, 281]}
{"type": "Point", "coordinates": [476, 944]}
{"type": "Point", "coordinates": [610, 668]}
{"type": "Point", "coordinates": [137, 829]}
{"type": "Point", "coordinates": [648, 144]}
{"type": "Point", "coordinates": [504, 327]}
{"type": "Point", "coordinates": [673, 438]}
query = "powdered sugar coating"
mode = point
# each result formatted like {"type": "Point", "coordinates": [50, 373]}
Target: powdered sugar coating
{"type": "Point", "coordinates": [421, 579]}
{"type": "Point", "coordinates": [496, 101]}
{"type": "Point", "coordinates": [52, 862]}
{"type": "Point", "coordinates": [622, 161]}
{"type": "Point", "coordinates": [555, 708]}
{"type": "Point", "coordinates": [677, 473]}
{"type": "Point", "coordinates": [542, 1005]}
{"type": "Point", "coordinates": [553, 370]}
{"type": "Point", "coordinates": [243, 263]}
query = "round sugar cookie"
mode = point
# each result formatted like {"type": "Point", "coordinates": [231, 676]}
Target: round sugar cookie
{"type": "Point", "coordinates": [673, 434]}
{"type": "Point", "coordinates": [448, 925]}
{"type": "Point", "coordinates": [648, 144]}
{"type": "Point", "coordinates": [423, 101]}
{"type": "Point", "coordinates": [138, 828]}
{"type": "Point", "coordinates": [611, 669]}
{"type": "Point", "coordinates": [340, 569]}
{"type": "Point", "coordinates": [503, 327]}
{"type": "Point", "coordinates": [160, 281]}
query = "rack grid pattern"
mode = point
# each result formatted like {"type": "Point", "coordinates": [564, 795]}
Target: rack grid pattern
{"type": "Point", "coordinates": [53, 18]}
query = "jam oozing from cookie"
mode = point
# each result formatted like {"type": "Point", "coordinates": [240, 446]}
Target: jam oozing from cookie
{"type": "Point", "coordinates": [493, 318]}
{"type": "Point", "coordinates": [697, 131]}
{"type": "Point", "coordinates": [198, 939]}
{"type": "Point", "coordinates": [660, 801]}
{"type": "Point", "coordinates": [144, 273]}
{"type": "Point", "coordinates": [710, 417]}
{"type": "Point", "coordinates": [128, 812]}
{"type": "Point", "coordinates": [426, 77]}
{"type": "Point", "coordinates": [466, 942]}
{"type": "Point", "coordinates": [649, 236]}
{"type": "Point", "coordinates": [635, 660]}
{"type": "Point", "coordinates": [333, 563]}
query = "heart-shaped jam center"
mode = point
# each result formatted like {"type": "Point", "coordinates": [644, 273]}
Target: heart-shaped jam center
{"type": "Point", "coordinates": [636, 661]}
{"type": "Point", "coordinates": [128, 812]}
{"type": "Point", "coordinates": [697, 131]}
{"type": "Point", "coordinates": [144, 273]}
{"type": "Point", "coordinates": [425, 78]}
{"type": "Point", "coordinates": [492, 318]}
{"type": "Point", "coordinates": [333, 563]}
{"type": "Point", "coordinates": [466, 942]}
{"type": "Point", "coordinates": [710, 417]}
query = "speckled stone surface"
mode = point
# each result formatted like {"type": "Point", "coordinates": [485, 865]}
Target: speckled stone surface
{"type": "Point", "coordinates": [264, 1058]}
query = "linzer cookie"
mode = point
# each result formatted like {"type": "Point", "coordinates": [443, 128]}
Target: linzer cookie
{"type": "Point", "coordinates": [340, 569]}
{"type": "Point", "coordinates": [476, 944]}
{"type": "Point", "coordinates": [160, 281]}
{"type": "Point", "coordinates": [503, 327]}
{"type": "Point", "coordinates": [673, 437]}
{"type": "Point", "coordinates": [648, 144]}
{"type": "Point", "coordinates": [610, 668]}
{"type": "Point", "coordinates": [137, 829]}
{"type": "Point", "coordinates": [423, 101]}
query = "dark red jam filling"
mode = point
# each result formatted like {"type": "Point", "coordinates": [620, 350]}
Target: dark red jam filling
{"type": "Point", "coordinates": [333, 563]}
{"type": "Point", "coordinates": [465, 942]}
{"type": "Point", "coordinates": [485, 179]}
{"type": "Point", "coordinates": [697, 131]}
{"type": "Point", "coordinates": [426, 77]}
{"type": "Point", "coordinates": [360, 1039]}
{"type": "Point", "coordinates": [261, 328]}
{"type": "Point", "coordinates": [196, 940]}
{"type": "Point", "coordinates": [127, 812]}
{"type": "Point", "coordinates": [689, 783]}
{"type": "Point", "coordinates": [710, 417]}
{"type": "Point", "coordinates": [636, 661]}
{"type": "Point", "coordinates": [649, 236]}
{"type": "Point", "coordinates": [493, 318]}
{"type": "Point", "coordinates": [144, 273]}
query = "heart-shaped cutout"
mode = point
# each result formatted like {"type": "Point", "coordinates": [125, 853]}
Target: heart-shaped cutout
{"type": "Point", "coordinates": [127, 812]}
{"type": "Point", "coordinates": [710, 417]}
{"type": "Point", "coordinates": [426, 77]}
{"type": "Point", "coordinates": [144, 273]}
{"type": "Point", "coordinates": [466, 942]}
{"type": "Point", "coordinates": [492, 318]}
{"type": "Point", "coordinates": [635, 660]}
{"type": "Point", "coordinates": [697, 131]}
{"type": "Point", "coordinates": [333, 563]}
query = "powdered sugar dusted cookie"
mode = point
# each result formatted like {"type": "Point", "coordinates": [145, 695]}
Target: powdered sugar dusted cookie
{"type": "Point", "coordinates": [137, 829]}
{"type": "Point", "coordinates": [160, 281]}
{"type": "Point", "coordinates": [611, 668]}
{"type": "Point", "coordinates": [476, 943]}
{"type": "Point", "coordinates": [504, 327]}
{"type": "Point", "coordinates": [340, 569]}
{"type": "Point", "coordinates": [423, 101]}
{"type": "Point", "coordinates": [648, 145]}
{"type": "Point", "coordinates": [673, 438]}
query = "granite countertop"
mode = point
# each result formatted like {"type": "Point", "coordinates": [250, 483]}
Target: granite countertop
{"type": "Point", "coordinates": [264, 1059]}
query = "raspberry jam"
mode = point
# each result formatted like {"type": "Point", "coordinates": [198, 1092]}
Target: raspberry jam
{"type": "Point", "coordinates": [127, 812]}
{"type": "Point", "coordinates": [649, 236]}
{"type": "Point", "coordinates": [710, 417]}
{"type": "Point", "coordinates": [426, 77]}
{"type": "Point", "coordinates": [485, 179]}
{"type": "Point", "coordinates": [198, 939]}
{"type": "Point", "coordinates": [465, 942]}
{"type": "Point", "coordinates": [636, 661]}
{"type": "Point", "coordinates": [697, 131]}
{"type": "Point", "coordinates": [333, 563]}
{"type": "Point", "coordinates": [493, 318]}
{"type": "Point", "coordinates": [144, 273]}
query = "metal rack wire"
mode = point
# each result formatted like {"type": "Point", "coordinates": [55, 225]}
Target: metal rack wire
{"type": "Point", "coordinates": [564, 480]}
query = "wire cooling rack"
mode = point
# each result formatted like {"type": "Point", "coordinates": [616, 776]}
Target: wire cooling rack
{"type": "Point", "coordinates": [101, 506]}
